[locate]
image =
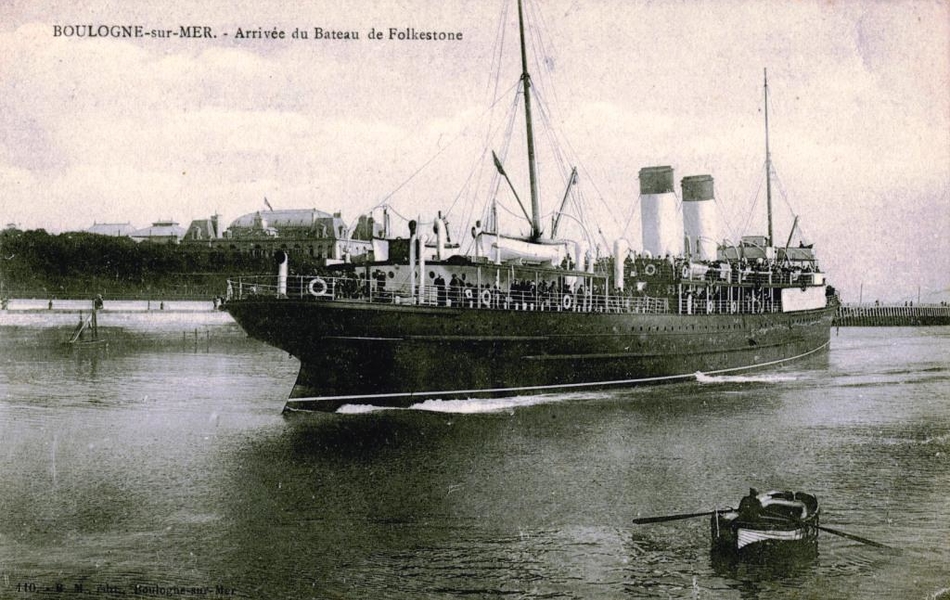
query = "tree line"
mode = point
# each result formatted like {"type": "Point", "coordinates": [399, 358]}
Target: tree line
{"type": "Point", "coordinates": [35, 263]}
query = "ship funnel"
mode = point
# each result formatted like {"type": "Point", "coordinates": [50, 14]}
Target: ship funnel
{"type": "Point", "coordinates": [662, 228]}
{"type": "Point", "coordinates": [699, 216]}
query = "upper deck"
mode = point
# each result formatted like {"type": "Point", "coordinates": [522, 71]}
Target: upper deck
{"type": "Point", "coordinates": [656, 287]}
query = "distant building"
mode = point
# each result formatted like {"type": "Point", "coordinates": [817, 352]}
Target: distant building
{"type": "Point", "coordinates": [298, 232]}
{"type": "Point", "coordinates": [113, 229]}
{"type": "Point", "coordinates": [203, 231]}
{"type": "Point", "coordinates": [306, 232]}
{"type": "Point", "coordinates": [161, 232]}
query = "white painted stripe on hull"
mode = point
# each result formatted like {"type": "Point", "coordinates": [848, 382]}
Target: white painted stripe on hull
{"type": "Point", "coordinates": [547, 388]}
{"type": "Point", "coordinates": [363, 338]}
{"type": "Point", "coordinates": [751, 536]}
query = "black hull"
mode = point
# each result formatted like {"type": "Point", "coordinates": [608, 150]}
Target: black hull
{"type": "Point", "coordinates": [768, 551]}
{"type": "Point", "coordinates": [398, 355]}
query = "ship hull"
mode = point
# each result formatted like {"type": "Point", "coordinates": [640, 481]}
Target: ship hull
{"type": "Point", "coordinates": [400, 355]}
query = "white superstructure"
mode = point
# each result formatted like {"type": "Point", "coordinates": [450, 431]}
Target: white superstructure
{"type": "Point", "coordinates": [700, 222]}
{"type": "Point", "coordinates": [659, 212]}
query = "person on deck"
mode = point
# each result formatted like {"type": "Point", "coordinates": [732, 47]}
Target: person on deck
{"type": "Point", "coordinates": [381, 285]}
{"type": "Point", "coordinates": [455, 290]}
{"type": "Point", "coordinates": [441, 291]}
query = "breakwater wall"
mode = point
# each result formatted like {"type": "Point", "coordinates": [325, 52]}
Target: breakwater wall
{"type": "Point", "coordinates": [878, 315]}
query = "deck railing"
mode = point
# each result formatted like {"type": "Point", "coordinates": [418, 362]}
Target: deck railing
{"type": "Point", "coordinates": [485, 298]}
{"type": "Point", "coordinates": [553, 298]}
{"type": "Point", "coordinates": [746, 305]}
{"type": "Point", "coordinates": [774, 277]}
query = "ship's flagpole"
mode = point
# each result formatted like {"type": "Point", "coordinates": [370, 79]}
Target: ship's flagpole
{"type": "Point", "coordinates": [768, 159]}
{"type": "Point", "coordinates": [532, 166]}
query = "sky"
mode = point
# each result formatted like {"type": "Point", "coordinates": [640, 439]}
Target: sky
{"type": "Point", "coordinates": [115, 129]}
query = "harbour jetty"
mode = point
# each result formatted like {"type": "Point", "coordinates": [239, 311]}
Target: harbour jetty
{"type": "Point", "coordinates": [892, 315]}
{"type": "Point", "coordinates": [135, 323]}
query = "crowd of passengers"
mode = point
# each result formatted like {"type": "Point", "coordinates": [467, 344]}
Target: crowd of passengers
{"type": "Point", "coordinates": [743, 270]}
{"type": "Point", "coordinates": [716, 269]}
{"type": "Point", "coordinates": [545, 294]}
{"type": "Point", "coordinates": [758, 271]}
{"type": "Point", "coordinates": [458, 291]}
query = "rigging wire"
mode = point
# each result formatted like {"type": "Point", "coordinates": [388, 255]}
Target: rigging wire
{"type": "Point", "coordinates": [548, 111]}
{"type": "Point", "coordinates": [478, 162]}
{"type": "Point", "coordinates": [729, 217]}
{"type": "Point", "coordinates": [625, 232]}
{"type": "Point", "coordinates": [755, 203]}
{"type": "Point", "coordinates": [495, 183]}
{"type": "Point", "coordinates": [791, 209]}
{"type": "Point", "coordinates": [557, 142]}
{"type": "Point", "coordinates": [428, 162]}
{"type": "Point", "coordinates": [496, 180]}
{"type": "Point", "coordinates": [493, 80]}
{"type": "Point", "coordinates": [543, 52]}
{"type": "Point", "coordinates": [495, 66]}
{"type": "Point", "coordinates": [551, 136]}
{"type": "Point", "coordinates": [557, 145]}
{"type": "Point", "coordinates": [547, 117]}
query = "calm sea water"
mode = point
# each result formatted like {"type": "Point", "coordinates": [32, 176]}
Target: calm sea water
{"type": "Point", "coordinates": [161, 466]}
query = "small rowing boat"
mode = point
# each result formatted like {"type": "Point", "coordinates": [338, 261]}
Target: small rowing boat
{"type": "Point", "coordinates": [767, 524]}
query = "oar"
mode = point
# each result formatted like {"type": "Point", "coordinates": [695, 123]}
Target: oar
{"type": "Point", "coordinates": [679, 517]}
{"type": "Point", "coordinates": [843, 534]}
{"type": "Point", "coordinates": [858, 538]}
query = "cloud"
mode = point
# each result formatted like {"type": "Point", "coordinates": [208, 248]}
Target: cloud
{"type": "Point", "coordinates": [119, 129]}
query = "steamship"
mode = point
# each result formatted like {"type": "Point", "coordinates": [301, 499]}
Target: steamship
{"type": "Point", "coordinates": [524, 315]}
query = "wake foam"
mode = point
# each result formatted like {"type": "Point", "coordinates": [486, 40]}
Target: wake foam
{"type": "Point", "coordinates": [763, 378]}
{"type": "Point", "coordinates": [480, 405]}
{"type": "Point", "coordinates": [359, 409]}
{"type": "Point", "coordinates": [475, 405]}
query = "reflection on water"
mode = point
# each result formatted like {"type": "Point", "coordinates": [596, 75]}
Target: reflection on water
{"type": "Point", "coordinates": [161, 465]}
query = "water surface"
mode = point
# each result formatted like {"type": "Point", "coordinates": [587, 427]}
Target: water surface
{"type": "Point", "coordinates": [165, 468]}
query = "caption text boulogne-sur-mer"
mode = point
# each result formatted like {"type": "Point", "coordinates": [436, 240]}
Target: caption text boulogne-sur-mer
{"type": "Point", "coordinates": [254, 33]}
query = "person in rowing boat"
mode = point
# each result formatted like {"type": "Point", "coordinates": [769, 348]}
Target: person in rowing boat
{"type": "Point", "coordinates": [750, 507]}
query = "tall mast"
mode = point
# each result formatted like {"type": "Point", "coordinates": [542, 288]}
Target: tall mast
{"type": "Point", "coordinates": [532, 167]}
{"type": "Point", "coordinates": [768, 157]}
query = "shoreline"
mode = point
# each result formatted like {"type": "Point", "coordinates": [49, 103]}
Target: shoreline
{"type": "Point", "coordinates": [141, 317]}
{"type": "Point", "coordinates": [65, 306]}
